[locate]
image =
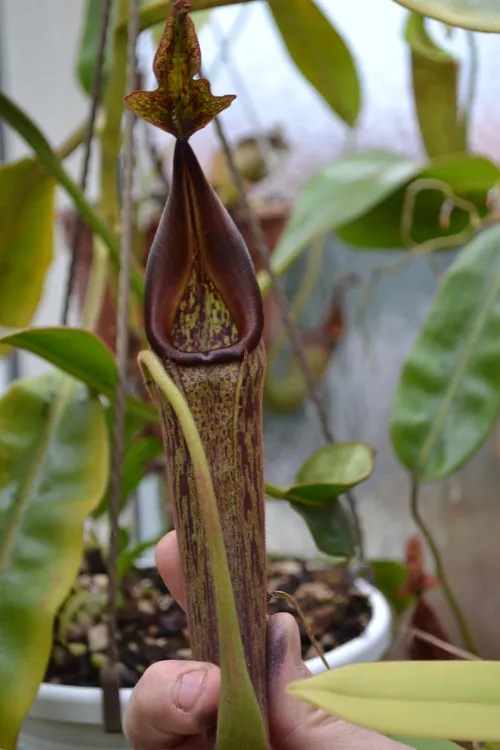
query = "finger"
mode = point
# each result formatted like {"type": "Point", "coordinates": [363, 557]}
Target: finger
{"type": "Point", "coordinates": [172, 705]}
{"type": "Point", "coordinates": [295, 725]}
{"type": "Point", "coordinates": [168, 562]}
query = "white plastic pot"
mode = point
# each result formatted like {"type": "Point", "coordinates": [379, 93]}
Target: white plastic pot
{"type": "Point", "coordinates": [69, 718]}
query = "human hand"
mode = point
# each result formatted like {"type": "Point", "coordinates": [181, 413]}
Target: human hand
{"type": "Point", "coordinates": [175, 702]}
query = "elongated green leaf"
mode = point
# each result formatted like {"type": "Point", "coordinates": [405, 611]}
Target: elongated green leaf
{"type": "Point", "coordinates": [337, 194]}
{"type": "Point", "coordinates": [320, 53]}
{"type": "Point", "coordinates": [390, 578]}
{"type": "Point", "coordinates": [477, 15]}
{"type": "Point", "coordinates": [27, 221]}
{"type": "Point", "coordinates": [128, 556]}
{"type": "Point", "coordinates": [417, 699]}
{"type": "Point", "coordinates": [138, 454]}
{"type": "Point", "coordinates": [448, 398]}
{"type": "Point", "coordinates": [80, 354]}
{"type": "Point", "coordinates": [470, 178]}
{"type": "Point", "coordinates": [330, 527]}
{"type": "Point", "coordinates": [435, 91]}
{"type": "Point", "coordinates": [427, 744]}
{"type": "Point", "coordinates": [27, 129]}
{"type": "Point", "coordinates": [76, 351]}
{"type": "Point", "coordinates": [54, 470]}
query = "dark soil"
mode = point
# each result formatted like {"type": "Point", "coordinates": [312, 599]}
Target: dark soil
{"type": "Point", "coordinates": [152, 626]}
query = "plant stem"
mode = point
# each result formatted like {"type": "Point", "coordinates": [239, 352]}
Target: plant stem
{"type": "Point", "coordinates": [88, 136]}
{"type": "Point", "coordinates": [111, 700]}
{"type": "Point", "coordinates": [97, 285]}
{"type": "Point", "coordinates": [294, 603]}
{"type": "Point", "coordinates": [72, 142]}
{"type": "Point", "coordinates": [440, 571]}
{"type": "Point", "coordinates": [471, 82]}
{"type": "Point", "coordinates": [275, 492]}
{"type": "Point", "coordinates": [429, 638]}
{"type": "Point", "coordinates": [111, 138]}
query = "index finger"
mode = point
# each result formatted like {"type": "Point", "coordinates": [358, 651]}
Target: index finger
{"type": "Point", "coordinates": [168, 562]}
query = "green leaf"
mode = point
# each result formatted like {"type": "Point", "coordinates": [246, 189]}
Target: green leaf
{"type": "Point", "coordinates": [89, 46]}
{"type": "Point", "coordinates": [477, 15]}
{"type": "Point", "coordinates": [80, 354]}
{"type": "Point", "coordinates": [26, 128]}
{"type": "Point", "coordinates": [337, 194]}
{"type": "Point", "coordinates": [417, 699]}
{"type": "Point", "coordinates": [26, 240]}
{"type": "Point", "coordinates": [130, 555]}
{"type": "Point", "coordinates": [427, 744]}
{"type": "Point", "coordinates": [390, 578]}
{"type": "Point", "coordinates": [330, 527]}
{"type": "Point", "coordinates": [181, 104]}
{"type": "Point", "coordinates": [320, 53]}
{"type": "Point", "coordinates": [53, 471]}
{"type": "Point", "coordinates": [139, 453]}
{"type": "Point", "coordinates": [331, 471]}
{"type": "Point", "coordinates": [448, 398]}
{"type": "Point", "coordinates": [470, 178]}
{"type": "Point", "coordinates": [76, 351]}
{"type": "Point", "coordinates": [435, 91]}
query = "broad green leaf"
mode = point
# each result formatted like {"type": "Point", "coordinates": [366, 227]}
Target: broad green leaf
{"type": "Point", "coordinates": [470, 178]}
{"type": "Point", "coordinates": [435, 91]}
{"type": "Point", "coordinates": [390, 578]}
{"type": "Point", "coordinates": [340, 192]}
{"type": "Point", "coordinates": [53, 471]}
{"type": "Point", "coordinates": [27, 221]}
{"type": "Point", "coordinates": [428, 744]}
{"type": "Point", "coordinates": [320, 53]}
{"type": "Point", "coordinates": [448, 398]}
{"type": "Point", "coordinates": [76, 351]}
{"type": "Point", "coordinates": [26, 128]}
{"type": "Point", "coordinates": [477, 15]}
{"type": "Point", "coordinates": [330, 527]}
{"type": "Point", "coordinates": [434, 700]}
{"type": "Point", "coordinates": [331, 471]}
{"type": "Point", "coordinates": [81, 354]}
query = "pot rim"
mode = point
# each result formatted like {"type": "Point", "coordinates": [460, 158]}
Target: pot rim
{"type": "Point", "coordinates": [82, 705]}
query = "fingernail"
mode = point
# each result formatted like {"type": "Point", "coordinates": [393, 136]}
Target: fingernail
{"type": "Point", "coordinates": [189, 686]}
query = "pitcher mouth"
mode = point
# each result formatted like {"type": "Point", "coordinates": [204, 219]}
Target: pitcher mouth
{"type": "Point", "coordinates": [203, 303]}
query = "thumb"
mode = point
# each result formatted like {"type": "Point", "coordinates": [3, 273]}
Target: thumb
{"type": "Point", "coordinates": [295, 725]}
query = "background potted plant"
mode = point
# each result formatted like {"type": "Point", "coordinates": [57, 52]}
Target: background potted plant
{"type": "Point", "coordinates": [96, 369]}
